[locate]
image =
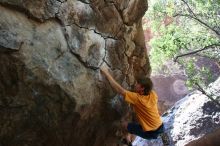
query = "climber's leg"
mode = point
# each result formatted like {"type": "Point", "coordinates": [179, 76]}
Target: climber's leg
{"type": "Point", "coordinates": [136, 129]}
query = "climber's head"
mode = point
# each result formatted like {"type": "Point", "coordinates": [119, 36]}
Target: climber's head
{"type": "Point", "coordinates": [143, 85]}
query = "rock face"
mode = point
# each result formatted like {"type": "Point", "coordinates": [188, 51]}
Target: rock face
{"type": "Point", "coordinates": [192, 121]}
{"type": "Point", "coordinates": [51, 90]}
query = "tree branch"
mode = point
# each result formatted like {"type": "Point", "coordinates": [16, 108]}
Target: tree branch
{"type": "Point", "coordinates": [200, 21]}
{"type": "Point", "coordinates": [190, 10]}
{"type": "Point", "coordinates": [194, 16]}
{"type": "Point", "coordinates": [209, 96]}
{"type": "Point", "coordinates": [196, 51]}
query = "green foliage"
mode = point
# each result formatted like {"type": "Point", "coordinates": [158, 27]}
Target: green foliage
{"type": "Point", "coordinates": [165, 46]}
{"type": "Point", "coordinates": [180, 27]}
{"type": "Point", "coordinates": [196, 75]}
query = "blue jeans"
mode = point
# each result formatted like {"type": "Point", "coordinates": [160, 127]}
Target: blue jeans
{"type": "Point", "coordinates": [136, 129]}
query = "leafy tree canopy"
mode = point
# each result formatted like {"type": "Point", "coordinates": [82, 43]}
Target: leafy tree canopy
{"type": "Point", "coordinates": [184, 30]}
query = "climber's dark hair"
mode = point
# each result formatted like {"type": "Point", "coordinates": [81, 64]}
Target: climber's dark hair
{"type": "Point", "coordinates": [146, 83]}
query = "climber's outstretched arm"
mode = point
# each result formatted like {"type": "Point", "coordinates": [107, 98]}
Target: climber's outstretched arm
{"type": "Point", "coordinates": [112, 81]}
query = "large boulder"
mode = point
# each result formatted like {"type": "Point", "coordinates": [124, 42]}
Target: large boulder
{"type": "Point", "coordinates": [51, 90]}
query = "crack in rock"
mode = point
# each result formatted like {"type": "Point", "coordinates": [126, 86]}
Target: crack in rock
{"type": "Point", "coordinates": [95, 31]}
{"type": "Point", "coordinates": [78, 48]}
{"type": "Point", "coordinates": [85, 1]}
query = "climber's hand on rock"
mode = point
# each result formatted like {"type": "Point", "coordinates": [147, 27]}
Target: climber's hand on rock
{"type": "Point", "coordinates": [104, 70]}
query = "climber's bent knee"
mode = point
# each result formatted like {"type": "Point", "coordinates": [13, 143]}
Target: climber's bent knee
{"type": "Point", "coordinates": [136, 129]}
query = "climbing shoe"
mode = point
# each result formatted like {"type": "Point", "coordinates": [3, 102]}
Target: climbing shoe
{"type": "Point", "coordinates": [165, 139]}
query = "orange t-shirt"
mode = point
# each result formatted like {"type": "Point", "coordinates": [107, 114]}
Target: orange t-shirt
{"type": "Point", "coordinates": [146, 109]}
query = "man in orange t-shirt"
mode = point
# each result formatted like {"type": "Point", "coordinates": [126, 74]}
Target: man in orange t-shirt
{"type": "Point", "coordinates": [144, 101]}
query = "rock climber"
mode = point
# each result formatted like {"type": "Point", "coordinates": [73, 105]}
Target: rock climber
{"type": "Point", "coordinates": [144, 102]}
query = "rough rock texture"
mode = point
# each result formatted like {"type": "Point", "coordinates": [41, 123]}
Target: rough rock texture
{"type": "Point", "coordinates": [51, 91]}
{"type": "Point", "coordinates": [192, 121]}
